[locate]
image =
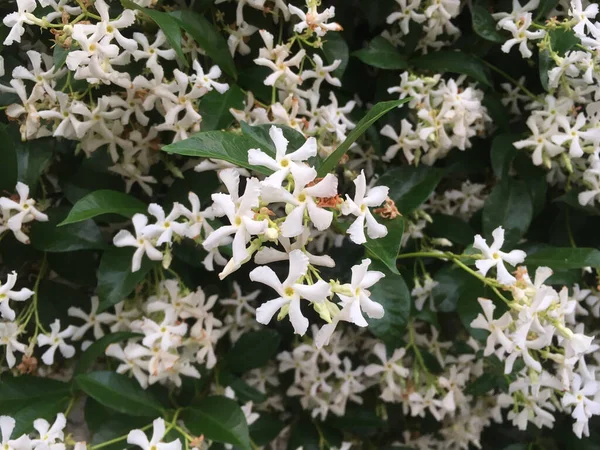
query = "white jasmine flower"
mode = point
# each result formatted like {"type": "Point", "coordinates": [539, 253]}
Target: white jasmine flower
{"type": "Point", "coordinates": [493, 257]}
{"type": "Point", "coordinates": [290, 291]}
{"type": "Point", "coordinates": [144, 245]}
{"type": "Point", "coordinates": [6, 294]}
{"type": "Point", "coordinates": [56, 339]}
{"type": "Point", "coordinates": [359, 207]}
{"type": "Point", "coordinates": [138, 437]}
{"type": "Point", "coordinates": [284, 163]}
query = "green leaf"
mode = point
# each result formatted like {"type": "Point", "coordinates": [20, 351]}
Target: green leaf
{"type": "Point", "coordinates": [104, 202]}
{"type": "Point", "coordinates": [60, 56]}
{"type": "Point", "coordinates": [167, 24]}
{"type": "Point", "coordinates": [497, 111]}
{"type": "Point", "coordinates": [564, 258]}
{"type": "Point", "coordinates": [304, 435]}
{"type": "Point", "coordinates": [382, 54]}
{"type": "Point", "coordinates": [453, 283]}
{"type": "Point", "coordinates": [544, 8]}
{"type": "Point", "coordinates": [115, 278]}
{"type": "Point", "coordinates": [571, 199]}
{"type": "Point", "coordinates": [97, 349]}
{"type": "Point", "coordinates": [33, 157]}
{"type": "Point", "coordinates": [214, 108]}
{"type": "Point", "coordinates": [334, 48]}
{"type": "Point", "coordinates": [266, 428]}
{"type": "Point", "coordinates": [392, 293]}
{"type": "Point", "coordinates": [509, 205]}
{"type": "Point", "coordinates": [485, 383]}
{"type": "Point", "coordinates": [26, 398]}
{"type": "Point", "coordinates": [484, 24]}
{"type": "Point", "coordinates": [211, 41]}
{"type": "Point", "coordinates": [375, 113]}
{"type": "Point", "coordinates": [120, 393]}
{"type": "Point", "coordinates": [219, 419]}
{"type": "Point", "coordinates": [8, 161]}
{"type": "Point", "coordinates": [243, 390]}
{"type": "Point", "coordinates": [502, 153]}
{"type": "Point", "coordinates": [410, 186]}
{"type": "Point", "coordinates": [562, 40]}
{"type": "Point", "coordinates": [253, 349]}
{"type": "Point", "coordinates": [233, 147]}
{"type": "Point", "coordinates": [386, 249]}
{"type": "Point", "coordinates": [48, 237]}
{"type": "Point", "coordinates": [455, 62]}
{"type": "Point", "coordinates": [452, 228]}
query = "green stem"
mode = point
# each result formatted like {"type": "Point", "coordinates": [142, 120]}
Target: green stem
{"type": "Point", "coordinates": [509, 78]}
{"type": "Point", "coordinates": [115, 440]}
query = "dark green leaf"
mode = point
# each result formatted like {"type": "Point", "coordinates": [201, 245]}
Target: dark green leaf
{"type": "Point", "coordinates": [211, 41]}
{"type": "Point", "coordinates": [48, 237]}
{"type": "Point", "coordinates": [304, 435]}
{"type": "Point", "coordinates": [497, 111]}
{"type": "Point", "coordinates": [33, 157]}
{"type": "Point", "coordinates": [382, 54]}
{"type": "Point", "coordinates": [253, 349]}
{"type": "Point", "coordinates": [8, 162]}
{"type": "Point", "coordinates": [104, 202]}
{"type": "Point", "coordinates": [214, 108]}
{"type": "Point", "coordinates": [571, 199]}
{"type": "Point", "coordinates": [455, 62]}
{"type": "Point", "coordinates": [386, 249]}
{"type": "Point", "coordinates": [545, 7]}
{"type": "Point", "coordinates": [60, 56]}
{"type": "Point", "coordinates": [502, 154]}
{"type": "Point", "coordinates": [219, 419]}
{"type": "Point", "coordinates": [232, 147]}
{"type": "Point", "coordinates": [453, 283]}
{"type": "Point", "coordinates": [410, 186]}
{"type": "Point", "coordinates": [115, 278]}
{"type": "Point", "coordinates": [374, 113]}
{"type": "Point", "coordinates": [266, 428]}
{"type": "Point", "coordinates": [484, 24]}
{"type": "Point", "coordinates": [335, 47]}
{"type": "Point", "coordinates": [243, 390]}
{"type": "Point", "coordinates": [484, 384]}
{"type": "Point", "coordinates": [120, 393]}
{"type": "Point", "coordinates": [167, 24]}
{"type": "Point", "coordinates": [509, 205]}
{"type": "Point", "coordinates": [392, 293]}
{"type": "Point", "coordinates": [564, 258]}
{"type": "Point", "coordinates": [562, 40]}
{"type": "Point", "coordinates": [452, 228]}
{"type": "Point", "coordinates": [97, 349]}
{"type": "Point", "coordinates": [26, 398]}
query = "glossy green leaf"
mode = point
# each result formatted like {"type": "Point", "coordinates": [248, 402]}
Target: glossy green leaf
{"type": "Point", "coordinates": [455, 62]}
{"type": "Point", "coordinates": [266, 428]}
{"type": "Point", "coordinates": [8, 161]}
{"type": "Point", "coordinates": [120, 393]}
{"type": "Point", "coordinates": [244, 392]}
{"type": "Point", "coordinates": [564, 258]}
{"type": "Point", "coordinates": [219, 419]}
{"type": "Point", "coordinates": [484, 24]}
{"type": "Point", "coordinates": [452, 228]}
{"type": "Point", "coordinates": [97, 349]}
{"type": "Point", "coordinates": [502, 153]}
{"type": "Point", "coordinates": [214, 108]}
{"type": "Point", "coordinates": [233, 147]}
{"type": "Point", "coordinates": [59, 56]}
{"type": "Point", "coordinates": [115, 278]}
{"type": "Point", "coordinates": [167, 24]}
{"type": "Point", "coordinates": [386, 249]}
{"type": "Point", "coordinates": [392, 293]}
{"type": "Point", "coordinates": [336, 48]}
{"type": "Point", "coordinates": [372, 116]}
{"type": "Point", "coordinates": [27, 398]}
{"type": "Point", "coordinates": [509, 205]}
{"type": "Point", "coordinates": [253, 349]}
{"type": "Point", "coordinates": [410, 186]}
{"type": "Point", "coordinates": [382, 54]}
{"type": "Point", "coordinates": [104, 202]}
{"type": "Point", "coordinates": [211, 41]}
{"type": "Point", "coordinates": [49, 237]}
{"type": "Point", "coordinates": [544, 8]}
{"type": "Point", "coordinates": [453, 283]}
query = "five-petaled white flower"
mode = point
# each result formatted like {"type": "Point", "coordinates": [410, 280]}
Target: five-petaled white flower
{"type": "Point", "coordinates": [493, 257]}
{"type": "Point", "coordinates": [290, 292]}
{"type": "Point", "coordinates": [7, 294]}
